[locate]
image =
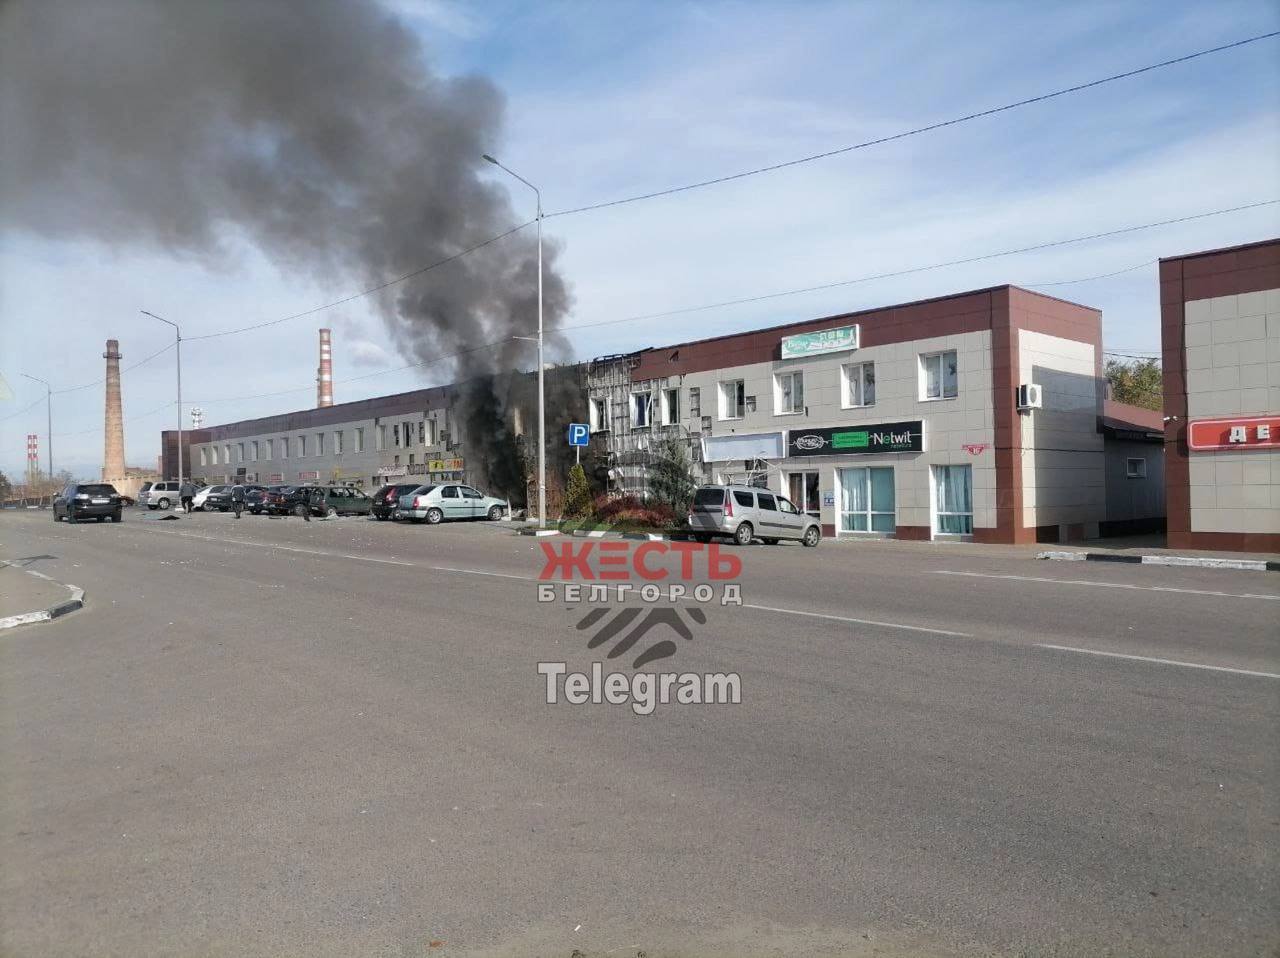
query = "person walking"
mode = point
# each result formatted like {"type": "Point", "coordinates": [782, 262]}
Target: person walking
{"type": "Point", "coordinates": [186, 494]}
{"type": "Point", "coordinates": [306, 501]}
{"type": "Point", "coordinates": [237, 499]}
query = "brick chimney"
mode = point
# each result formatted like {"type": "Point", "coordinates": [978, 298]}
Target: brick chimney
{"type": "Point", "coordinates": [324, 375]}
{"type": "Point", "coordinates": [113, 439]}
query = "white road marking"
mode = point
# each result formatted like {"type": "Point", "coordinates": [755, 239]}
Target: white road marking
{"type": "Point", "coordinates": [310, 552]}
{"type": "Point", "coordinates": [845, 618]}
{"type": "Point", "coordinates": [1146, 658]}
{"type": "Point", "coordinates": [499, 575]}
{"type": "Point", "coordinates": [1110, 585]}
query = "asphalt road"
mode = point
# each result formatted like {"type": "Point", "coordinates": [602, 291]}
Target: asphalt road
{"type": "Point", "coordinates": [268, 737]}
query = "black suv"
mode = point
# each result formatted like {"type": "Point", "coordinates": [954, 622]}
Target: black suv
{"type": "Point", "coordinates": [88, 500]}
{"type": "Point", "coordinates": [387, 499]}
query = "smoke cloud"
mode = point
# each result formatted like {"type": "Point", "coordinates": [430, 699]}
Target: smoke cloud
{"type": "Point", "coordinates": [315, 129]}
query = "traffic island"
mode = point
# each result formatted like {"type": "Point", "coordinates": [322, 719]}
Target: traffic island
{"type": "Point", "coordinates": [28, 596]}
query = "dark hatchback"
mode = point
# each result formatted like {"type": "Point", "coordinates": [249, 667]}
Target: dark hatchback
{"type": "Point", "coordinates": [221, 500]}
{"type": "Point", "coordinates": [278, 500]}
{"type": "Point", "coordinates": [89, 500]}
{"type": "Point", "coordinates": [255, 498]}
{"type": "Point", "coordinates": [387, 499]}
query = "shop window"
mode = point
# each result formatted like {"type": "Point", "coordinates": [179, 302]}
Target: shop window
{"type": "Point", "coordinates": [938, 378]}
{"type": "Point", "coordinates": [867, 502]}
{"type": "Point", "coordinates": [858, 384]}
{"type": "Point", "coordinates": [733, 399]}
{"type": "Point", "coordinates": [641, 404]}
{"type": "Point", "coordinates": [1135, 468]}
{"type": "Point", "coordinates": [204, 456]}
{"type": "Point", "coordinates": [670, 407]}
{"type": "Point", "coordinates": [788, 393]}
{"type": "Point", "coordinates": [267, 447]}
{"type": "Point", "coordinates": [953, 500]}
{"type": "Point", "coordinates": [358, 440]}
{"type": "Point", "coordinates": [337, 442]}
{"type": "Point", "coordinates": [804, 492]}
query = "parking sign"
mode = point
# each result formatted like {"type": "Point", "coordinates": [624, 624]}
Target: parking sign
{"type": "Point", "coordinates": [579, 433]}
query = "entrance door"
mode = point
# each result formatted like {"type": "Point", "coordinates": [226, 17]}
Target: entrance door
{"type": "Point", "coordinates": [804, 492]}
{"type": "Point", "coordinates": [953, 500]}
{"type": "Point", "coordinates": [867, 502]}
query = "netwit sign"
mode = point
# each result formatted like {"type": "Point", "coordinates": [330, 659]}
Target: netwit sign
{"type": "Point", "coordinates": [857, 440]}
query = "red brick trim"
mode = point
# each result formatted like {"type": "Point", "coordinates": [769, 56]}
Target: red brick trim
{"type": "Point", "coordinates": [914, 533]}
{"type": "Point", "coordinates": [1226, 541]}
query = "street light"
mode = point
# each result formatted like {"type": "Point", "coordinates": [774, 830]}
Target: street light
{"type": "Point", "coordinates": [178, 342]}
{"type": "Point", "coordinates": [542, 390]}
{"type": "Point", "coordinates": [48, 401]}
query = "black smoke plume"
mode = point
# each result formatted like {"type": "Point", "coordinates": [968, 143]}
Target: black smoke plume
{"type": "Point", "coordinates": [314, 129]}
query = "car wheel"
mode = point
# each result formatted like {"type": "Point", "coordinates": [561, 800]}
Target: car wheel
{"type": "Point", "coordinates": [299, 511]}
{"type": "Point", "coordinates": [380, 518]}
{"type": "Point", "coordinates": [495, 513]}
{"type": "Point", "coordinates": [703, 537]}
{"type": "Point", "coordinates": [117, 517]}
{"type": "Point", "coordinates": [434, 516]}
{"type": "Point", "coordinates": [163, 503]}
{"type": "Point", "coordinates": [331, 513]}
{"type": "Point", "coordinates": [811, 536]}
{"type": "Point", "coordinates": [743, 534]}
{"type": "Point", "coordinates": [71, 519]}
{"type": "Point", "coordinates": [151, 507]}
{"type": "Point", "coordinates": [770, 542]}
{"type": "Point", "coordinates": [56, 517]}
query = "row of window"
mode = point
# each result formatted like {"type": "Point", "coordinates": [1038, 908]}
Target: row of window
{"type": "Point", "coordinates": [937, 380]}
{"type": "Point", "coordinates": [397, 435]}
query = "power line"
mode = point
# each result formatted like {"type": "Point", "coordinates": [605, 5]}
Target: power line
{"type": "Point", "coordinates": [916, 269]}
{"type": "Point", "coordinates": [141, 415]}
{"type": "Point", "coordinates": [917, 131]}
{"type": "Point", "coordinates": [1087, 279]}
{"type": "Point", "coordinates": [15, 415]}
{"type": "Point", "coordinates": [140, 362]}
{"type": "Point", "coordinates": [366, 292]}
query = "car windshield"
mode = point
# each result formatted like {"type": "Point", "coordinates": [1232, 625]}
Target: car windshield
{"type": "Point", "coordinates": [422, 490]}
{"type": "Point", "coordinates": [98, 490]}
{"type": "Point", "coordinates": [709, 497]}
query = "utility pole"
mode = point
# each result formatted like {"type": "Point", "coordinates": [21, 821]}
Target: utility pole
{"type": "Point", "coordinates": [178, 344]}
{"type": "Point", "coordinates": [48, 402]}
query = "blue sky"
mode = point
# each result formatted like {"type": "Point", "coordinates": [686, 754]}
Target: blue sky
{"type": "Point", "coordinates": [610, 99]}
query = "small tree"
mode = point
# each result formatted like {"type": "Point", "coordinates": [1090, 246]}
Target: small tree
{"type": "Point", "coordinates": [577, 496]}
{"type": "Point", "coordinates": [671, 475]}
{"type": "Point", "coordinates": [6, 489]}
{"type": "Point", "coordinates": [1138, 383]}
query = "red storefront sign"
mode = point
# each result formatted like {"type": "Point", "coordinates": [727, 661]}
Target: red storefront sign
{"type": "Point", "coordinates": [1247, 432]}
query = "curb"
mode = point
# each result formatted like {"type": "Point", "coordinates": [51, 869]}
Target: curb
{"type": "Point", "coordinates": [601, 533]}
{"type": "Point", "coordinates": [1239, 565]}
{"type": "Point", "coordinates": [52, 612]}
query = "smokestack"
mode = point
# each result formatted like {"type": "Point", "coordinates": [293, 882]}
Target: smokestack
{"type": "Point", "coordinates": [324, 375]}
{"type": "Point", "coordinates": [113, 439]}
{"type": "Point", "coordinates": [33, 458]}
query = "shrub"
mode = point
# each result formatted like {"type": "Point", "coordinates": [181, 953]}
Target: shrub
{"type": "Point", "coordinates": [577, 496]}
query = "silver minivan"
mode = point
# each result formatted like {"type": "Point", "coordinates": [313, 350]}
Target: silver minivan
{"type": "Point", "coordinates": [745, 513]}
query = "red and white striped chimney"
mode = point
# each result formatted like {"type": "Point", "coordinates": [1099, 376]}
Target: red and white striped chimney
{"type": "Point", "coordinates": [324, 376]}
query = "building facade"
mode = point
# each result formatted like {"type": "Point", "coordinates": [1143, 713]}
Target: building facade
{"type": "Point", "coordinates": [904, 421]}
{"type": "Point", "coordinates": [1220, 331]}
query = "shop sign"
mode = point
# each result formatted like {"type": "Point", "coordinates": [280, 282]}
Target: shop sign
{"type": "Point", "coordinates": [417, 469]}
{"type": "Point", "coordinates": [309, 477]}
{"type": "Point", "coordinates": [444, 465]}
{"type": "Point", "coordinates": [857, 440]}
{"type": "Point", "coordinates": [1255, 432]}
{"type": "Point", "coordinates": [823, 341]}
{"type": "Point", "coordinates": [276, 477]}
{"type": "Point", "coordinates": [388, 471]}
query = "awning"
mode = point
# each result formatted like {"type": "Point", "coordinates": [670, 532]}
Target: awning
{"type": "Point", "coordinates": [763, 445]}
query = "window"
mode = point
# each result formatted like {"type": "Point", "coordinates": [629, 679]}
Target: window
{"type": "Point", "coordinates": [469, 493]}
{"type": "Point", "coordinates": [239, 452]}
{"type": "Point", "coordinates": [695, 402]}
{"type": "Point", "coordinates": [1133, 468]}
{"type": "Point", "coordinates": [953, 500]}
{"type": "Point", "coordinates": [670, 407]}
{"type": "Point", "coordinates": [411, 458]}
{"type": "Point", "coordinates": [858, 384]}
{"type": "Point", "coordinates": [226, 454]}
{"type": "Point", "coordinates": [938, 375]}
{"type": "Point", "coordinates": [253, 450]}
{"type": "Point", "coordinates": [765, 501]}
{"type": "Point", "coordinates": [788, 393]}
{"type": "Point", "coordinates": [302, 447]}
{"type": "Point", "coordinates": [804, 491]}
{"type": "Point", "coordinates": [395, 435]}
{"type": "Point", "coordinates": [408, 434]}
{"type": "Point", "coordinates": [380, 438]}
{"type": "Point", "coordinates": [640, 409]}
{"type": "Point", "coordinates": [744, 499]}
{"type": "Point", "coordinates": [449, 492]}
{"type": "Point", "coordinates": [337, 442]}
{"type": "Point", "coordinates": [598, 410]}
{"type": "Point", "coordinates": [267, 444]}
{"type": "Point", "coordinates": [396, 461]}
{"type": "Point", "coordinates": [204, 456]}
{"type": "Point", "coordinates": [319, 444]}
{"type": "Point", "coordinates": [284, 447]}
{"type": "Point", "coordinates": [358, 444]}
{"type": "Point", "coordinates": [422, 432]}
{"type": "Point", "coordinates": [213, 455]}
{"type": "Point", "coordinates": [733, 399]}
{"type": "Point", "coordinates": [866, 500]}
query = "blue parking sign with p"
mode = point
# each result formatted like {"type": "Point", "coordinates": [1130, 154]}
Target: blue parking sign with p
{"type": "Point", "coordinates": [579, 433]}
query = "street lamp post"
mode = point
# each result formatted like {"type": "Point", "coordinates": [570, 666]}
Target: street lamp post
{"type": "Point", "coordinates": [542, 389]}
{"type": "Point", "coordinates": [48, 402]}
{"type": "Point", "coordinates": [178, 343]}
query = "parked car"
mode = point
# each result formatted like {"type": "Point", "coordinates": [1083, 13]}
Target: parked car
{"type": "Point", "coordinates": [221, 500]}
{"type": "Point", "coordinates": [744, 513]}
{"type": "Point", "coordinates": [161, 495]}
{"type": "Point", "coordinates": [255, 498]}
{"type": "Point", "coordinates": [142, 494]}
{"type": "Point", "coordinates": [386, 499]}
{"type": "Point", "coordinates": [200, 501]}
{"type": "Point", "coordinates": [275, 500]}
{"type": "Point", "coordinates": [88, 500]}
{"type": "Point", "coordinates": [433, 504]}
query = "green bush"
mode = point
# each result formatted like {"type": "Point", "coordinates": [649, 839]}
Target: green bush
{"type": "Point", "coordinates": [577, 494]}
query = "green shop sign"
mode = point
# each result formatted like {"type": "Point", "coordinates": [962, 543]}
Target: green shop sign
{"type": "Point", "coordinates": [823, 341]}
{"type": "Point", "coordinates": [857, 440]}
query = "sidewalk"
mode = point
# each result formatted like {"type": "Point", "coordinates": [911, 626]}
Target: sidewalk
{"type": "Point", "coordinates": [28, 596]}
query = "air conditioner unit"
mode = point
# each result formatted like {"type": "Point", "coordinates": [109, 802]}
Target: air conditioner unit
{"type": "Point", "coordinates": [1029, 396]}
